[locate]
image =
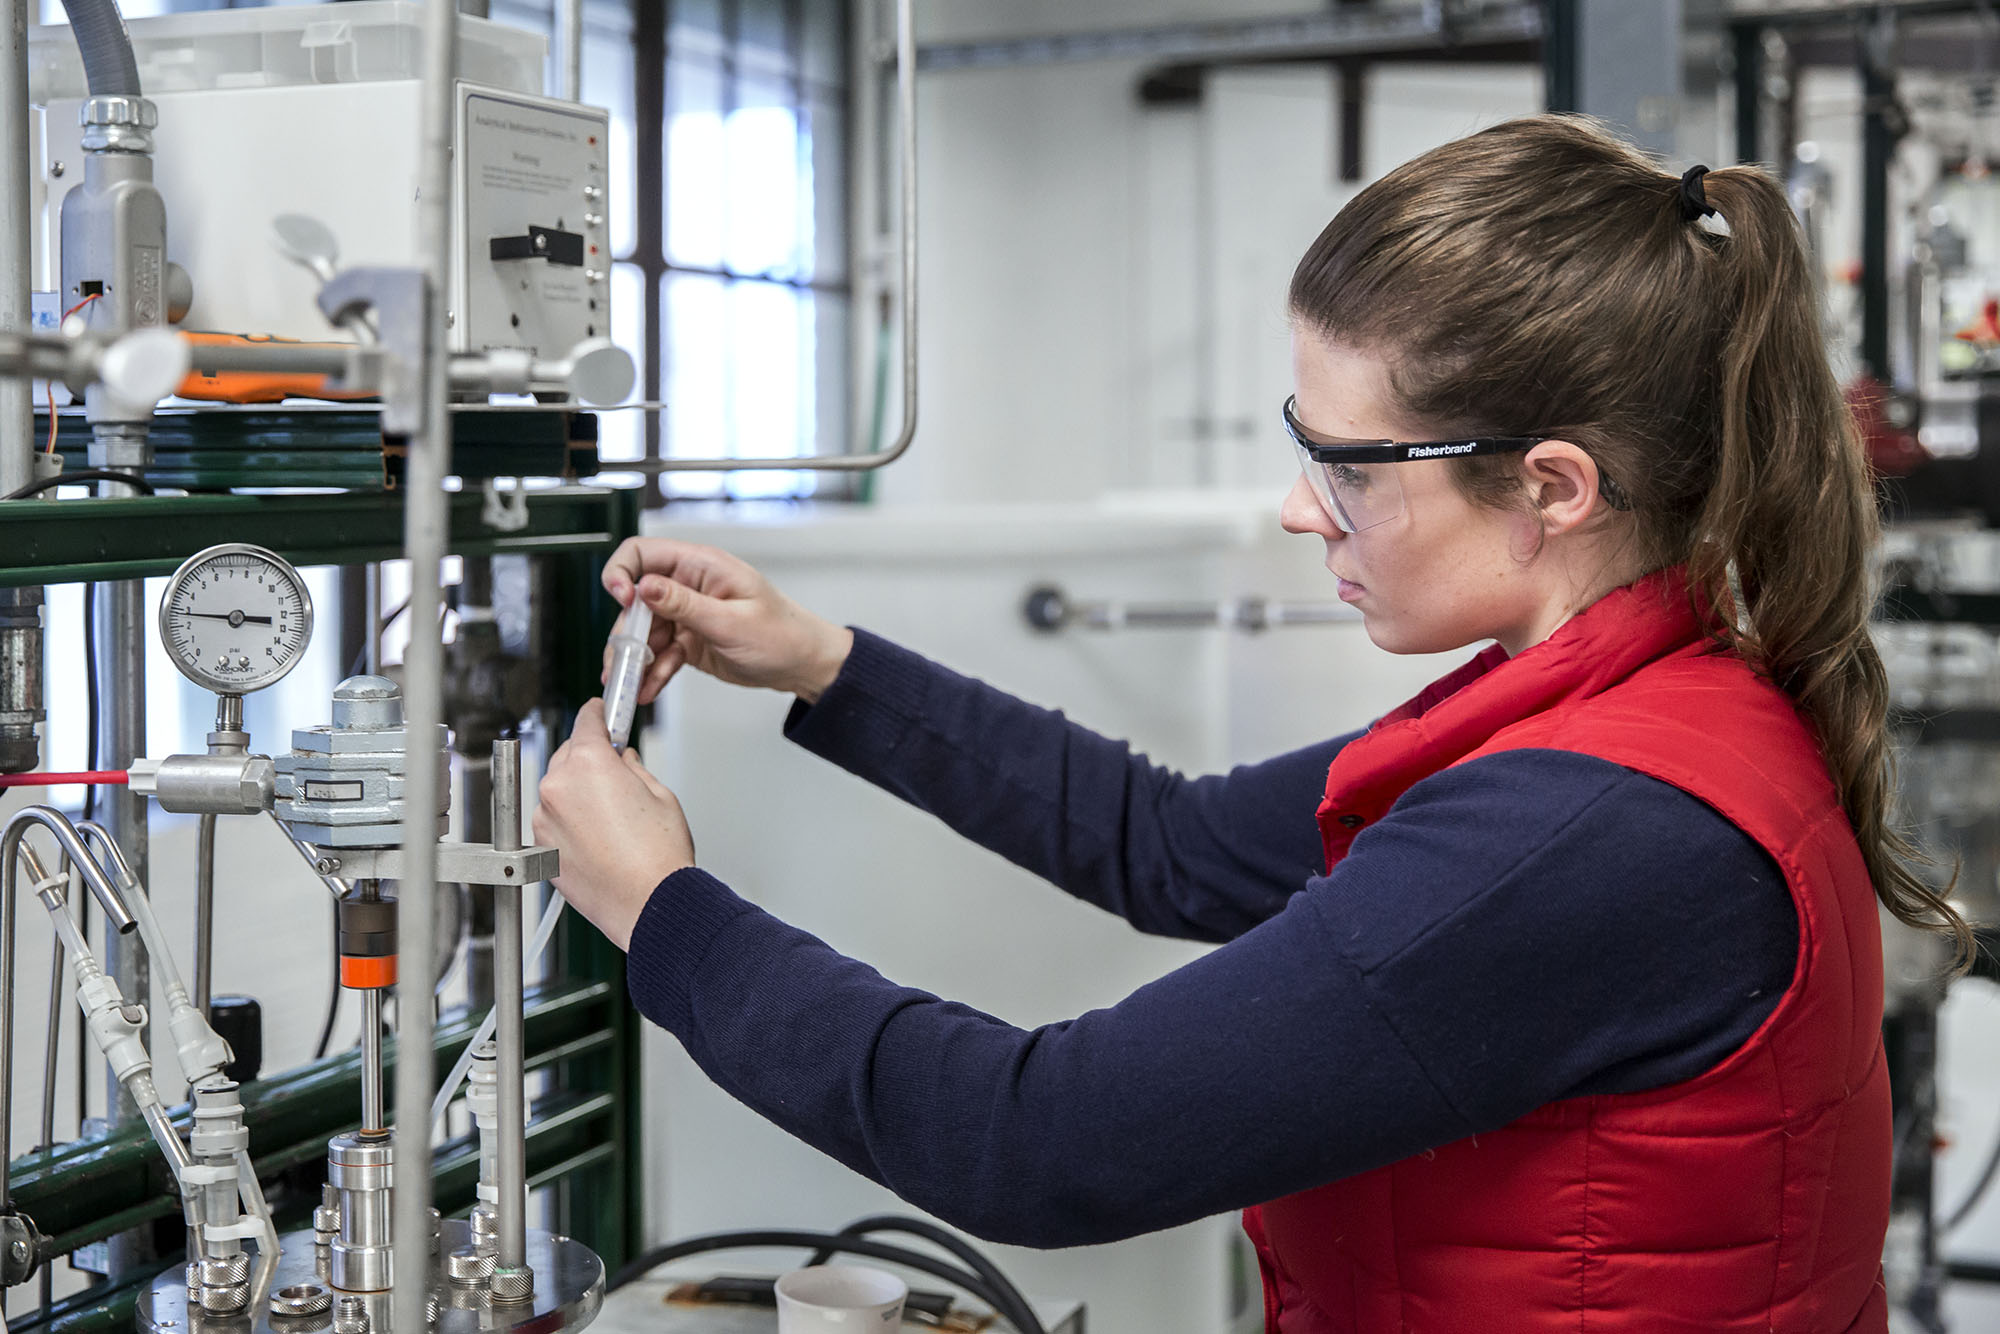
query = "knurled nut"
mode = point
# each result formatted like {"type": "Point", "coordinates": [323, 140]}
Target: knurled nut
{"type": "Point", "coordinates": [468, 1267]}
{"type": "Point", "coordinates": [221, 1271]}
{"type": "Point", "coordinates": [224, 1299]}
{"type": "Point", "coordinates": [513, 1285]}
{"type": "Point", "coordinates": [194, 1280]}
{"type": "Point", "coordinates": [303, 1299]}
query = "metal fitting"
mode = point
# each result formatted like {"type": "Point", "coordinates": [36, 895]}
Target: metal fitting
{"type": "Point", "coordinates": [225, 1283]}
{"type": "Point", "coordinates": [301, 1299]}
{"type": "Point", "coordinates": [485, 1228]}
{"type": "Point", "coordinates": [223, 1270]}
{"type": "Point", "coordinates": [342, 785]}
{"type": "Point", "coordinates": [21, 693]}
{"type": "Point", "coordinates": [114, 124]}
{"type": "Point", "coordinates": [469, 1267]}
{"type": "Point", "coordinates": [433, 1309]}
{"type": "Point", "coordinates": [350, 1316]}
{"type": "Point", "coordinates": [512, 1285]}
{"type": "Point", "coordinates": [362, 1169]}
{"type": "Point", "coordinates": [207, 784]}
{"type": "Point", "coordinates": [326, 1218]}
{"type": "Point", "coordinates": [193, 1268]}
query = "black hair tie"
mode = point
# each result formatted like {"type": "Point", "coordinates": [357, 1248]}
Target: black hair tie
{"type": "Point", "coordinates": [1694, 199]}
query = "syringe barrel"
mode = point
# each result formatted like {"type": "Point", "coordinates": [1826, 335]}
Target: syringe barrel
{"type": "Point", "coordinates": [630, 656]}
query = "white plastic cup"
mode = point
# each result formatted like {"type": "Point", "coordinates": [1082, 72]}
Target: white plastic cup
{"type": "Point", "coordinates": [840, 1299]}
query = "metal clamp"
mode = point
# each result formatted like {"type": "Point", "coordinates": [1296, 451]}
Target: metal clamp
{"type": "Point", "coordinates": [467, 863]}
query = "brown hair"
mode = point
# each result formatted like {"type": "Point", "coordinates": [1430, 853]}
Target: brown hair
{"type": "Point", "coordinates": [1542, 278]}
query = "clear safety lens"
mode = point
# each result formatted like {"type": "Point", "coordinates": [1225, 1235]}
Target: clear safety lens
{"type": "Point", "coordinates": [1355, 495]}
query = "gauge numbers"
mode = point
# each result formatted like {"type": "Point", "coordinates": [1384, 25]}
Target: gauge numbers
{"type": "Point", "coordinates": [235, 618]}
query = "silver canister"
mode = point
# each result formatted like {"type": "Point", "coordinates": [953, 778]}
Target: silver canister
{"type": "Point", "coordinates": [362, 1170]}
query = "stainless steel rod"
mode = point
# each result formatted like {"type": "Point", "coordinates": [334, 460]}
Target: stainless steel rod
{"type": "Point", "coordinates": [373, 1115]}
{"type": "Point", "coordinates": [121, 693]}
{"type": "Point", "coordinates": [17, 409]}
{"type": "Point", "coordinates": [371, 661]}
{"type": "Point", "coordinates": [424, 519]}
{"type": "Point", "coordinates": [204, 911]}
{"type": "Point", "coordinates": [571, 45]}
{"type": "Point", "coordinates": [906, 137]}
{"type": "Point", "coordinates": [508, 987]}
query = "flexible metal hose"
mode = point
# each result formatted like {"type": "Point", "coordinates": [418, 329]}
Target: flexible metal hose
{"type": "Point", "coordinates": [108, 63]}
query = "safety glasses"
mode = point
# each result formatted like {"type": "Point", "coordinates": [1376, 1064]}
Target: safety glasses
{"type": "Point", "coordinates": [1356, 480]}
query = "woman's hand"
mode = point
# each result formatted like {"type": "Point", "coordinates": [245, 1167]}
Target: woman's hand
{"type": "Point", "coordinates": [717, 613]}
{"type": "Point", "coordinates": [619, 829]}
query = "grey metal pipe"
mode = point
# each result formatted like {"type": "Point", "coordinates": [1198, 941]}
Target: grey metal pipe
{"type": "Point", "coordinates": [571, 44]}
{"type": "Point", "coordinates": [509, 985]}
{"type": "Point", "coordinates": [204, 911]}
{"type": "Point", "coordinates": [423, 678]}
{"type": "Point", "coordinates": [108, 63]}
{"type": "Point", "coordinates": [17, 410]}
{"type": "Point", "coordinates": [906, 128]}
{"type": "Point", "coordinates": [115, 913]}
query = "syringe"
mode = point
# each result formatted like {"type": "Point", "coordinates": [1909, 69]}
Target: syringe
{"type": "Point", "coordinates": [630, 656]}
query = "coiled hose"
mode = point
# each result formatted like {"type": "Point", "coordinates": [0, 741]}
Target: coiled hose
{"type": "Point", "coordinates": [109, 66]}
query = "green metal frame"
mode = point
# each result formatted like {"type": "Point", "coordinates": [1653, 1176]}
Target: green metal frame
{"type": "Point", "coordinates": [584, 1138]}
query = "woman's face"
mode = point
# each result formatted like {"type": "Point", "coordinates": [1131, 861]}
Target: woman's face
{"type": "Point", "coordinates": [1441, 574]}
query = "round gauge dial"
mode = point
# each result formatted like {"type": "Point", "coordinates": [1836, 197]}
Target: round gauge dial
{"type": "Point", "coordinates": [235, 618]}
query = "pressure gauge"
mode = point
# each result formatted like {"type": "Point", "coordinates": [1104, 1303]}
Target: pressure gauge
{"type": "Point", "coordinates": [235, 618]}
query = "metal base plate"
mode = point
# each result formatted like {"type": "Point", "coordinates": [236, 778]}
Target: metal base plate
{"type": "Point", "coordinates": [569, 1290]}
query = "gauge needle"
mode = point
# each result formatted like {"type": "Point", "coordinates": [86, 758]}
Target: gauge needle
{"type": "Point", "coordinates": [233, 617]}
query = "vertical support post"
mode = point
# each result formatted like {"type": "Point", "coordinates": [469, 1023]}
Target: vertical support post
{"type": "Point", "coordinates": [17, 410]}
{"type": "Point", "coordinates": [508, 983]}
{"type": "Point", "coordinates": [1746, 41]}
{"type": "Point", "coordinates": [1880, 129]}
{"type": "Point", "coordinates": [571, 46]}
{"type": "Point", "coordinates": [121, 713]}
{"type": "Point", "coordinates": [425, 518]}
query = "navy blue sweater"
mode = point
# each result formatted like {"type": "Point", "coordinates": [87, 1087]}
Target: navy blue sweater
{"type": "Point", "coordinates": [1524, 927]}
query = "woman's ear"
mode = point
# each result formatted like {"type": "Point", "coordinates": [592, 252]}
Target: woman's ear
{"type": "Point", "coordinates": [1563, 480]}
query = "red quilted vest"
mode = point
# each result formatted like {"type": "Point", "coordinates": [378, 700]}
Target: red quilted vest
{"type": "Point", "coordinates": [1752, 1197]}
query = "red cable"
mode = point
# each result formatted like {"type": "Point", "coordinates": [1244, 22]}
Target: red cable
{"type": "Point", "coordinates": [93, 777]}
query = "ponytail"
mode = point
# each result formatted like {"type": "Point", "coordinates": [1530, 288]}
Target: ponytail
{"type": "Point", "coordinates": [1543, 277]}
{"type": "Point", "coordinates": [1792, 515]}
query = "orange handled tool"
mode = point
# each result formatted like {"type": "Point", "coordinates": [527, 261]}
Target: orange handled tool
{"type": "Point", "coordinates": [257, 386]}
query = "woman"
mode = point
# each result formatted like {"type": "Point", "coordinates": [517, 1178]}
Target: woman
{"type": "Point", "coordinates": [1566, 1013]}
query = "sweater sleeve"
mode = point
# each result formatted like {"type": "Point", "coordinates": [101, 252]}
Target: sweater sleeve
{"type": "Point", "coordinates": [1521, 928]}
{"type": "Point", "coordinates": [1201, 859]}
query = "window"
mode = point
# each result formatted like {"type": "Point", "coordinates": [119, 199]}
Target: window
{"type": "Point", "coordinates": [751, 276]}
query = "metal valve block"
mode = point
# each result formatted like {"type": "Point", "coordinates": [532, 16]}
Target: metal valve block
{"type": "Point", "coordinates": [342, 785]}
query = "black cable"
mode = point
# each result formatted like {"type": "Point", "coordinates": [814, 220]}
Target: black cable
{"type": "Point", "coordinates": [41, 484]}
{"type": "Point", "coordinates": [1017, 1314]}
{"type": "Point", "coordinates": [333, 996]}
{"type": "Point", "coordinates": [381, 628]}
{"type": "Point", "coordinates": [937, 1236]}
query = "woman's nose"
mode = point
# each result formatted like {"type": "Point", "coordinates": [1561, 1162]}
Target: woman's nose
{"type": "Point", "coordinates": [1302, 512]}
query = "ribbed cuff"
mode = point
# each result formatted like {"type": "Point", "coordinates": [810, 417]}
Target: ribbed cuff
{"type": "Point", "coordinates": [869, 707]}
{"type": "Point", "coordinates": [674, 933]}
